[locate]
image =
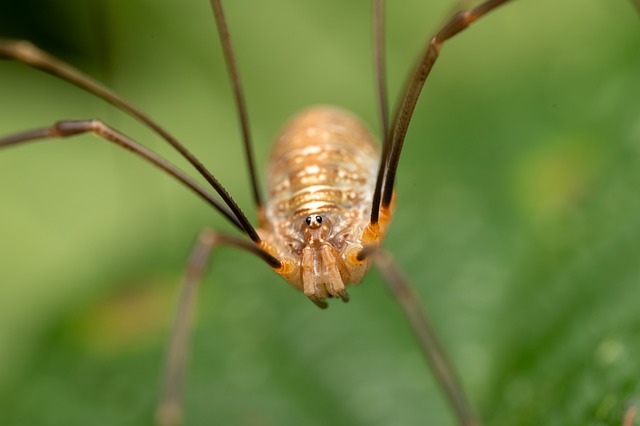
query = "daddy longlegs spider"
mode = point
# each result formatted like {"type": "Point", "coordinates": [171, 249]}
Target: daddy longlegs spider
{"type": "Point", "coordinates": [461, 411]}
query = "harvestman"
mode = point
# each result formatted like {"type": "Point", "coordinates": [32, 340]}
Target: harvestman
{"type": "Point", "coordinates": [330, 196]}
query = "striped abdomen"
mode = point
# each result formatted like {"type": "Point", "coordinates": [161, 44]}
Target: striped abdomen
{"type": "Point", "coordinates": [321, 179]}
{"type": "Point", "coordinates": [324, 161]}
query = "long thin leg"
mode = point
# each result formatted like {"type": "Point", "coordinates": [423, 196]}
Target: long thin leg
{"type": "Point", "coordinates": [427, 338]}
{"type": "Point", "coordinates": [74, 127]}
{"type": "Point", "coordinates": [170, 411]}
{"type": "Point", "coordinates": [383, 104]}
{"type": "Point", "coordinates": [404, 111]}
{"type": "Point", "coordinates": [239, 96]}
{"type": "Point", "coordinates": [28, 54]}
{"type": "Point", "coordinates": [381, 78]}
{"type": "Point", "coordinates": [381, 86]}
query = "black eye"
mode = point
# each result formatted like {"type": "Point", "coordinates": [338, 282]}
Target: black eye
{"type": "Point", "coordinates": [308, 220]}
{"type": "Point", "coordinates": [319, 219]}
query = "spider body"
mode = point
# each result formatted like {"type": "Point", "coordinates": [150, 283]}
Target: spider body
{"type": "Point", "coordinates": [321, 179]}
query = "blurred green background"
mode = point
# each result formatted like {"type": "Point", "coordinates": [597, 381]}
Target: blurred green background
{"type": "Point", "coordinates": [518, 217]}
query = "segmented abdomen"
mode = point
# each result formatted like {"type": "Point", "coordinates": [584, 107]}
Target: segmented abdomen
{"type": "Point", "coordinates": [325, 160]}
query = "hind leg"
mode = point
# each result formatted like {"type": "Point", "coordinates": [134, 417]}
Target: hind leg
{"type": "Point", "coordinates": [433, 351]}
{"type": "Point", "coordinates": [170, 407]}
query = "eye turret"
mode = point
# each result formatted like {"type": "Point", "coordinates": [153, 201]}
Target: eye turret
{"type": "Point", "coordinates": [314, 221]}
{"type": "Point", "coordinates": [316, 228]}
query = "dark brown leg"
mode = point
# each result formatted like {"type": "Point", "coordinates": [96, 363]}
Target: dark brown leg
{"type": "Point", "coordinates": [28, 54]}
{"type": "Point", "coordinates": [243, 116]}
{"type": "Point", "coordinates": [404, 111]}
{"type": "Point", "coordinates": [394, 139]}
{"type": "Point", "coordinates": [63, 129]}
{"type": "Point", "coordinates": [170, 410]}
{"type": "Point", "coordinates": [383, 104]}
{"type": "Point", "coordinates": [428, 340]}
